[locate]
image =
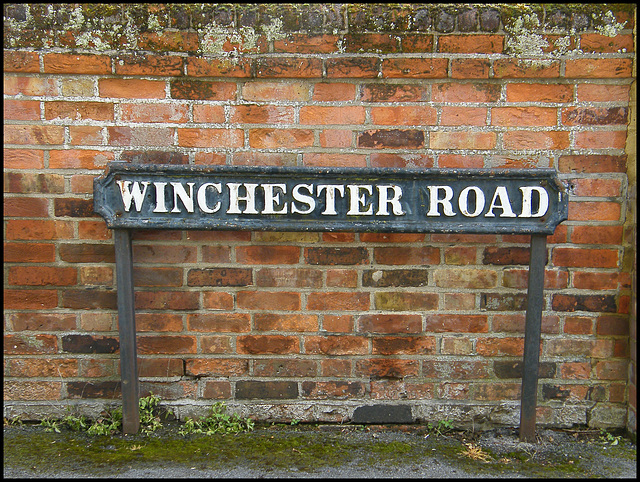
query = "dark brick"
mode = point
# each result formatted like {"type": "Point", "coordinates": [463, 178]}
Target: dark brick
{"type": "Point", "coordinates": [597, 393]}
{"type": "Point", "coordinates": [219, 277]}
{"type": "Point", "coordinates": [200, 90]}
{"type": "Point", "coordinates": [559, 18]}
{"type": "Point", "coordinates": [394, 138]}
{"type": "Point", "coordinates": [579, 21]}
{"type": "Point", "coordinates": [596, 303]}
{"type": "Point", "coordinates": [503, 302]}
{"type": "Point", "coordinates": [399, 277]}
{"type": "Point", "coordinates": [87, 253]}
{"type": "Point", "coordinates": [507, 256]}
{"type": "Point", "coordinates": [421, 20]}
{"type": "Point", "coordinates": [513, 369]}
{"type": "Point", "coordinates": [16, 11]}
{"type": "Point", "coordinates": [256, 390]}
{"type": "Point", "coordinates": [77, 208]}
{"type": "Point", "coordinates": [248, 15]}
{"type": "Point", "coordinates": [89, 299]}
{"type": "Point", "coordinates": [179, 17]}
{"type": "Point", "coordinates": [382, 414]}
{"type": "Point", "coordinates": [554, 392]}
{"type": "Point", "coordinates": [444, 21]}
{"type": "Point", "coordinates": [89, 344]}
{"type": "Point", "coordinates": [489, 21]}
{"type": "Point", "coordinates": [468, 20]}
{"type": "Point", "coordinates": [108, 389]}
{"type": "Point", "coordinates": [335, 256]}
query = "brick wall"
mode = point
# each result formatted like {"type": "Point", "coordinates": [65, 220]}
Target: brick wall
{"type": "Point", "coordinates": [313, 325]}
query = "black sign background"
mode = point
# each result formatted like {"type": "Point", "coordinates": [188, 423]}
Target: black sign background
{"type": "Point", "coordinates": [413, 182]}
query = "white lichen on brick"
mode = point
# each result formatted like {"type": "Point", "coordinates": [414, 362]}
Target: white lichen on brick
{"type": "Point", "coordinates": [609, 26]}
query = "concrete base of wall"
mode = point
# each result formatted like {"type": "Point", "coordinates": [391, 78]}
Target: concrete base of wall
{"type": "Point", "coordinates": [463, 415]}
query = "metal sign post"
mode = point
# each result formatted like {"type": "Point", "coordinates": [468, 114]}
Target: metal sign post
{"type": "Point", "coordinates": [516, 201]}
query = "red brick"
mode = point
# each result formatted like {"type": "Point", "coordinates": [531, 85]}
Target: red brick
{"type": "Point", "coordinates": [601, 139]}
{"type": "Point", "coordinates": [612, 370]}
{"type": "Point", "coordinates": [389, 324]}
{"type": "Point", "coordinates": [596, 187]}
{"type": "Point", "coordinates": [267, 254]}
{"type": "Point", "coordinates": [471, 44]}
{"type": "Point", "coordinates": [30, 299]}
{"type": "Point", "coordinates": [595, 281]}
{"type": "Point", "coordinates": [594, 42]}
{"type": "Point", "coordinates": [338, 323]}
{"type": "Point", "coordinates": [406, 68]}
{"type": "Point", "coordinates": [267, 344]}
{"type": "Point", "coordinates": [79, 159]}
{"type": "Point", "coordinates": [457, 323]}
{"type": "Point", "coordinates": [463, 140]}
{"type": "Point", "coordinates": [63, 368]}
{"type": "Point", "coordinates": [612, 325]}
{"type": "Point", "coordinates": [288, 67]}
{"type": "Point", "coordinates": [335, 160]}
{"type": "Point", "coordinates": [463, 116]}
{"type": "Point", "coordinates": [536, 140]}
{"type": "Point", "coordinates": [219, 322]}
{"type": "Point", "coordinates": [592, 163]}
{"type": "Point", "coordinates": [524, 116]}
{"type": "Point", "coordinates": [594, 211]}
{"type": "Point", "coordinates": [595, 303]}
{"type": "Point", "coordinates": [23, 159]}
{"type": "Point", "coordinates": [274, 91]}
{"type": "Point", "coordinates": [524, 68]}
{"type": "Point", "coordinates": [176, 113]}
{"type": "Point", "coordinates": [333, 91]}
{"type": "Point", "coordinates": [268, 300]}
{"type": "Point", "coordinates": [217, 367]}
{"type": "Point", "coordinates": [404, 115]}
{"type": "Point", "coordinates": [336, 256]}
{"type": "Point", "coordinates": [462, 68]}
{"type": "Point", "coordinates": [407, 160]}
{"type": "Point", "coordinates": [331, 115]}
{"type": "Point", "coordinates": [336, 345]}
{"type": "Point", "coordinates": [370, 42]}
{"type": "Point", "coordinates": [603, 93]}
{"type": "Point", "coordinates": [460, 161]}
{"type": "Point", "coordinates": [393, 93]}
{"type": "Point", "coordinates": [403, 345]}
{"type": "Point", "coordinates": [578, 325]}
{"type": "Point", "coordinates": [33, 134]}
{"type": "Point", "coordinates": [85, 135]}
{"type": "Point", "coordinates": [307, 44]}
{"type": "Point", "coordinates": [497, 391]}
{"type": "Point", "coordinates": [387, 368]}
{"type": "Point", "coordinates": [585, 258]}
{"type": "Point", "coordinates": [598, 68]}
{"type": "Point", "coordinates": [42, 276]}
{"type": "Point", "coordinates": [539, 92]}
{"type": "Point", "coordinates": [42, 321]}
{"type": "Point", "coordinates": [38, 230]}
{"type": "Point", "coordinates": [212, 67]}
{"type": "Point", "coordinates": [149, 344]}
{"type": "Point", "coordinates": [18, 61]}
{"type": "Point", "coordinates": [597, 235]}
{"type": "Point", "coordinates": [77, 64]}
{"type": "Point", "coordinates": [500, 346]}
{"type": "Point", "coordinates": [210, 114]}
{"type": "Point", "coordinates": [285, 322]}
{"type": "Point", "coordinates": [418, 43]}
{"type": "Point", "coordinates": [162, 65]}
{"type": "Point", "coordinates": [29, 252]}
{"type": "Point", "coordinates": [336, 138]}
{"type": "Point", "coordinates": [407, 256]}
{"type": "Point", "coordinates": [132, 88]}
{"type": "Point", "coordinates": [210, 137]}
{"type": "Point", "coordinates": [21, 109]}
{"type": "Point", "coordinates": [352, 67]}
{"type": "Point", "coordinates": [339, 301]}
{"type": "Point", "coordinates": [30, 207]}
{"type": "Point", "coordinates": [259, 114]}
{"type": "Point", "coordinates": [280, 138]}
{"type": "Point", "coordinates": [210, 158]}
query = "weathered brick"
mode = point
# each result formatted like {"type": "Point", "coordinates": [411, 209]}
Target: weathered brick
{"type": "Point", "coordinates": [597, 303]}
{"type": "Point", "coordinates": [267, 344]}
{"type": "Point", "coordinates": [202, 90]}
{"type": "Point", "coordinates": [166, 300]}
{"type": "Point", "coordinates": [219, 277]}
{"type": "Point", "coordinates": [402, 345]}
{"type": "Point", "coordinates": [89, 344]}
{"type": "Point", "coordinates": [336, 345]}
{"type": "Point", "coordinates": [267, 390]}
{"type": "Point", "coordinates": [216, 367]}
{"type": "Point", "coordinates": [387, 368]}
{"type": "Point", "coordinates": [352, 67]}
{"type": "Point", "coordinates": [336, 256]}
{"type": "Point", "coordinates": [332, 390]}
{"type": "Point", "coordinates": [457, 323]}
{"type": "Point", "coordinates": [151, 344]}
{"type": "Point", "coordinates": [389, 324]}
{"type": "Point", "coordinates": [268, 300]}
{"type": "Point", "coordinates": [405, 301]}
{"type": "Point", "coordinates": [414, 68]}
{"type": "Point", "coordinates": [22, 344]}
{"type": "Point", "coordinates": [42, 276]}
{"type": "Point", "coordinates": [219, 322]}
{"type": "Point", "coordinates": [278, 138]}
{"type": "Point", "coordinates": [400, 277]}
{"type": "Point", "coordinates": [342, 301]}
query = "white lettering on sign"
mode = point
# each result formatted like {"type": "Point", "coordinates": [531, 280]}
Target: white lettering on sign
{"type": "Point", "coordinates": [245, 198]}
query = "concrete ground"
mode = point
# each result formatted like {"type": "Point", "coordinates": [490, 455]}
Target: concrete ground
{"type": "Point", "coordinates": [318, 451]}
